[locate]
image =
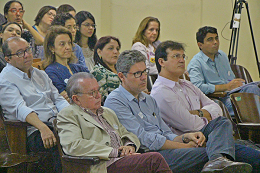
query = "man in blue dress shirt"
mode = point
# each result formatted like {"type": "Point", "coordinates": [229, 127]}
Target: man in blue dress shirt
{"type": "Point", "coordinates": [210, 70]}
{"type": "Point", "coordinates": [27, 94]}
{"type": "Point", "coordinates": [139, 113]}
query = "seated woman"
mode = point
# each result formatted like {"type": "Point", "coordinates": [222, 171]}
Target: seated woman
{"type": "Point", "coordinates": [106, 53]}
{"type": "Point", "coordinates": [43, 19]}
{"type": "Point", "coordinates": [11, 29]}
{"type": "Point", "coordinates": [59, 57]}
{"type": "Point", "coordinates": [146, 41]}
{"type": "Point", "coordinates": [14, 11]}
{"type": "Point", "coordinates": [68, 21]}
{"type": "Point", "coordinates": [86, 36]}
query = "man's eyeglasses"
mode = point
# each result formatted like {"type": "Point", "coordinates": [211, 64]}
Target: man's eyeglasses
{"type": "Point", "coordinates": [88, 25]}
{"type": "Point", "coordinates": [139, 73]}
{"type": "Point", "coordinates": [15, 11]}
{"type": "Point", "coordinates": [93, 93]}
{"type": "Point", "coordinates": [51, 14]}
{"type": "Point", "coordinates": [178, 56]}
{"type": "Point", "coordinates": [21, 53]}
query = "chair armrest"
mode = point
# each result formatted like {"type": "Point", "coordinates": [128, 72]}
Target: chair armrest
{"type": "Point", "coordinates": [82, 159]}
{"type": "Point", "coordinates": [217, 94]}
{"type": "Point", "coordinates": [251, 126]}
{"type": "Point", "coordinates": [16, 123]}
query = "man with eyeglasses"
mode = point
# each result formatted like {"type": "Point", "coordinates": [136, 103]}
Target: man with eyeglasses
{"type": "Point", "coordinates": [210, 70]}
{"type": "Point", "coordinates": [27, 94]}
{"type": "Point", "coordinates": [87, 129]}
{"type": "Point", "coordinates": [185, 108]}
{"type": "Point", "coordinates": [140, 114]}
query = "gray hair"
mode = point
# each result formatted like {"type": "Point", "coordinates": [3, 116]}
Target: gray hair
{"type": "Point", "coordinates": [5, 47]}
{"type": "Point", "coordinates": [127, 59]}
{"type": "Point", "coordinates": [73, 86]}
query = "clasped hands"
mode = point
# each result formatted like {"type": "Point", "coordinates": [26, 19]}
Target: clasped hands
{"type": "Point", "coordinates": [196, 139]}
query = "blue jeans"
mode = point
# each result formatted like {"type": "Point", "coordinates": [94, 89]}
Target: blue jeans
{"type": "Point", "coordinates": [35, 144]}
{"type": "Point", "coordinates": [219, 141]}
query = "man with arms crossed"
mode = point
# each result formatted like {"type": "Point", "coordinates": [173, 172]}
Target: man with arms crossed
{"type": "Point", "coordinates": [27, 94]}
{"type": "Point", "coordinates": [139, 113]}
{"type": "Point", "coordinates": [183, 106]}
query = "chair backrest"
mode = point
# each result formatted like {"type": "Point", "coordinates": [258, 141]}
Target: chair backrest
{"type": "Point", "coordinates": [246, 107]}
{"type": "Point", "coordinates": [241, 72]}
{"type": "Point", "coordinates": [227, 115]}
{"type": "Point", "coordinates": [54, 123]}
{"type": "Point", "coordinates": [38, 65]}
{"type": "Point", "coordinates": [185, 76]}
{"type": "Point", "coordinates": [4, 146]}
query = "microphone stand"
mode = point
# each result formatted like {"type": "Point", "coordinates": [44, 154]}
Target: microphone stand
{"type": "Point", "coordinates": [238, 6]}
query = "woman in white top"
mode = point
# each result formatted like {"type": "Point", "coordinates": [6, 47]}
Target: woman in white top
{"type": "Point", "coordinates": [86, 36]}
{"type": "Point", "coordinates": [146, 41]}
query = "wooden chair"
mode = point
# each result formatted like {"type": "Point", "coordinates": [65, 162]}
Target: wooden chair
{"type": "Point", "coordinates": [38, 64]}
{"type": "Point", "coordinates": [73, 163]}
{"type": "Point", "coordinates": [13, 158]}
{"type": "Point", "coordinates": [247, 113]}
{"type": "Point", "coordinates": [241, 72]}
{"type": "Point", "coordinates": [227, 115]}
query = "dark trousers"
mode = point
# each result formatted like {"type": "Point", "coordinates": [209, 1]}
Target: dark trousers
{"type": "Point", "coordinates": [35, 145]}
{"type": "Point", "coordinates": [143, 163]}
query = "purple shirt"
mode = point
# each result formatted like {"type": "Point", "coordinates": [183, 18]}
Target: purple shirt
{"type": "Point", "coordinates": [176, 99]}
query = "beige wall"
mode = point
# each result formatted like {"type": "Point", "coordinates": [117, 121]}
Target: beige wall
{"type": "Point", "coordinates": [179, 19]}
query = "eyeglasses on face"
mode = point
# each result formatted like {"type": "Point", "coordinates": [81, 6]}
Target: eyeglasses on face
{"type": "Point", "coordinates": [88, 25]}
{"type": "Point", "coordinates": [139, 73]}
{"type": "Point", "coordinates": [51, 14]}
{"type": "Point", "coordinates": [21, 53]}
{"type": "Point", "coordinates": [93, 93]}
{"type": "Point", "coordinates": [15, 11]}
{"type": "Point", "coordinates": [72, 28]}
{"type": "Point", "coordinates": [178, 56]}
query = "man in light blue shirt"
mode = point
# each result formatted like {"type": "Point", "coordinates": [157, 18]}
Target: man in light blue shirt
{"type": "Point", "coordinates": [139, 113]}
{"type": "Point", "coordinates": [27, 94]}
{"type": "Point", "coordinates": [210, 70]}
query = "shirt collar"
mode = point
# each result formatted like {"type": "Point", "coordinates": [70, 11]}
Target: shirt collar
{"type": "Point", "coordinates": [170, 83]}
{"type": "Point", "coordinates": [130, 96]}
{"type": "Point", "coordinates": [99, 111]}
{"type": "Point", "coordinates": [206, 58]}
{"type": "Point", "coordinates": [18, 72]}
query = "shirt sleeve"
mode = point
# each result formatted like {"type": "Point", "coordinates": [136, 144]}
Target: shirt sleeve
{"type": "Point", "coordinates": [197, 77]}
{"type": "Point", "coordinates": [152, 140]}
{"type": "Point", "coordinates": [13, 102]}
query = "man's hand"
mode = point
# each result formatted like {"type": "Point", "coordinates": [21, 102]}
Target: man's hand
{"type": "Point", "coordinates": [127, 151]}
{"type": "Point", "coordinates": [198, 138]}
{"type": "Point", "coordinates": [48, 137]}
{"type": "Point", "coordinates": [235, 83]}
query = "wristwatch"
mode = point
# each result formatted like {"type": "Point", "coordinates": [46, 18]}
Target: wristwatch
{"type": "Point", "coordinates": [200, 113]}
{"type": "Point", "coordinates": [185, 140]}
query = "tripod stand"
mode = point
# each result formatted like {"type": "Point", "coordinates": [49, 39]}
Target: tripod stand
{"type": "Point", "coordinates": [235, 33]}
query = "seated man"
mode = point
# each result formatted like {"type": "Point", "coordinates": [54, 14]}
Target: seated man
{"type": "Point", "coordinates": [183, 106]}
{"type": "Point", "coordinates": [27, 94]}
{"type": "Point", "coordinates": [139, 113]}
{"type": "Point", "coordinates": [87, 129]}
{"type": "Point", "coordinates": [210, 70]}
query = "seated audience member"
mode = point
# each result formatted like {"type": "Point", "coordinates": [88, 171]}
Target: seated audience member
{"type": "Point", "coordinates": [182, 105]}
{"type": "Point", "coordinates": [13, 11]}
{"type": "Point", "coordinates": [106, 53]}
{"type": "Point", "coordinates": [66, 8]}
{"type": "Point", "coordinates": [87, 129]}
{"type": "Point", "coordinates": [11, 29]}
{"type": "Point", "coordinates": [86, 36]}
{"type": "Point", "coordinates": [139, 113]}
{"type": "Point", "coordinates": [68, 21]}
{"type": "Point", "coordinates": [27, 94]}
{"type": "Point", "coordinates": [210, 70]}
{"type": "Point", "coordinates": [59, 58]}
{"type": "Point", "coordinates": [146, 41]}
{"type": "Point", "coordinates": [43, 19]}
